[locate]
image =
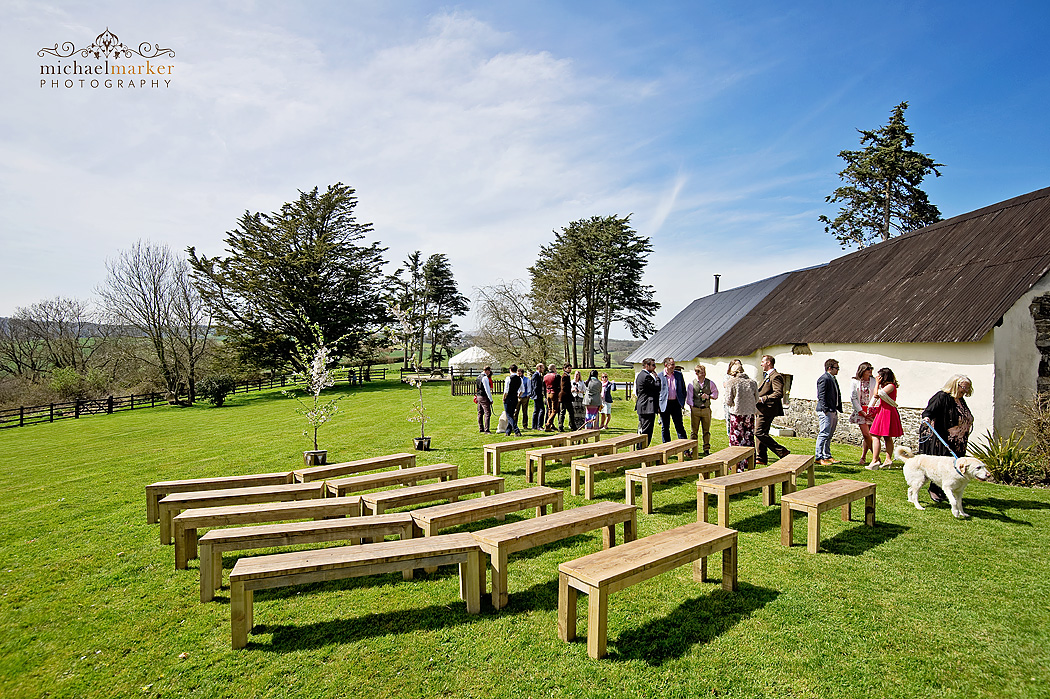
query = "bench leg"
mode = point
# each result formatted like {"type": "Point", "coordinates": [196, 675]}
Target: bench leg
{"type": "Point", "coordinates": [723, 509]}
{"type": "Point", "coordinates": [597, 621]}
{"type": "Point", "coordinates": [470, 581]}
{"type": "Point", "coordinates": [847, 515]}
{"type": "Point", "coordinates": [588, 484]}
{"type": "Point", "coordinates": [787, 522]}
{"type": "Point", "coordinates": [151, 507]}
{"type": "Point", "coordinates": [487, 463]}
{"type": "Point", "coordinates": [500, 597]}
{"type": "Point", "coordinates": [729, 567]}
{"type": "Point", "coordinates": [813, 540]}
{"type": "Point", "coordinates": [630, 528]}
{"type": "Point", "coordinates": [647, 496]}
{"type": "Point", "coordinates": [609, 536]}
{"type": "Point", "coordinates": [809, 478]}
{"type": "Point", "coordinates": [166, 515]}
{"type": "Point", "coordinates": [574, 486]}
{"type": "Point", "coordinates": [566, 609]}
{"type": "Point", "coordinates": [700, 570]}
{"type": "Point", "coordinates": [559, 502]}
{"type": "Point", "coordinates": [181, 556]}
{"type": "Point", "coordinates": [240, 614]}
{"type": "Point", "coordinates": [701, 507]}
{"type": "Point", "coordinates": [869, 510]}
{"type": "Point", "coordinates": [207, 574]}
{"type": "Point", "coordinates": [629, 490]}
{"type": "Point", "coordinates": [769, 495]}
{"type": "Point", "coordinates": [528, 470]}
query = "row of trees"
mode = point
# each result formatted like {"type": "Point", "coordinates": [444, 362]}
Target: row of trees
{"type": "Point", "coordinates": [586, 279]}
{"type": "Point", "coordinates": [427, 295]}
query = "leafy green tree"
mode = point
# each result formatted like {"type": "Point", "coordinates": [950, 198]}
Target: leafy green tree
{"type": "Point", "coordinates": [881, 193]}
{"type": "Point", "coordinates": [405, 291]}
{"type": "Point", "coordinates": [443, 303]}
{"type": "Point", "coordinates": [592, 275]}
{"type": "Point", "coordinates": [290, 269]}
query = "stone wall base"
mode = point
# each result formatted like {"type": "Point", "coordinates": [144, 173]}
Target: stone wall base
{"type": "Point", "coordinates": [800, 415]}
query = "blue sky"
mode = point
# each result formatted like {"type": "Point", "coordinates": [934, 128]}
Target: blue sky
{"type": "Point", "coordinates": [474, 129]}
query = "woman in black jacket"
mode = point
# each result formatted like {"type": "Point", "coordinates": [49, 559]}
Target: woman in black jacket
{"type": "Point", "coordinates": [951, 419]}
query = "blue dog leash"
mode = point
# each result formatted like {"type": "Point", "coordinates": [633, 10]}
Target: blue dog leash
{"type": "Point", "coordinates": [955, 459]}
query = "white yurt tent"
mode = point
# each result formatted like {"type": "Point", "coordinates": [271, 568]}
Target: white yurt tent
{"type": "Point", "coordinates": [472, 358]}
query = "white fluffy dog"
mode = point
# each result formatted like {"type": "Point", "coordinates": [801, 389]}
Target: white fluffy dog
{"type": "Point", "coordinates": [951, 477]}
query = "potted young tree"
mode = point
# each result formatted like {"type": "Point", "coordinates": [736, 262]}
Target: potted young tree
{"type": "Point", "coordinates": [317, 376]}
{"type": "Point", "coordinates": [419, 414]}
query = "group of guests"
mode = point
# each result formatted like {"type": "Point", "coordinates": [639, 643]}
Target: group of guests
{"type": "Point", "coordinates": [666, 394]}
{"type": "Point", "coordinates": [946, 421]}
{"type": "Point", "coordinates": [554, 396]}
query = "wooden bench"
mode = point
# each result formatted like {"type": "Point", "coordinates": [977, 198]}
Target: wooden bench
{"type": "Point", "coordinates": [345, 468]}
{"type": "Point", "coordinates": [377, 503]}
{"type": "Point", "coordinates": [385, 479]}
{"type": "Point", "coordinates": [798, 464]}
{"type": "Point", "coordinates": [539, 458]}
{"type": "Point", "coordinates": [813, 501]}
{"type": "Point", "coordinates": [734, 455]}
{"type": "Point", "coordinates": [171, 505]}
{"type": "Point", "coordinates": [352, 529]}
{"type": "Point", "coordinates": [187, 523]}
{"type": "Point", "coordinates": [653, 454]}
{"type": "Point", "coordinates": [156, 491]}
{"type": "Point", "coordinates": [602, 573]}
{"type": "Point", "coordinates": [495, 450]}
{"type": "Point", "coordinates": [301, 567]}
{"type": "Point", "coordinates": [727, 486]}
{"type": "Point", "coordinates": [431, 520]}
{"type": "Point", "coordinates": [501, 541]}
{"type": "Point", "coordinates": [647, 476]}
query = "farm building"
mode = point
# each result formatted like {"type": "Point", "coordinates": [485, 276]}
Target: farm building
{"type": "Point", "coordinates": [967, 295]}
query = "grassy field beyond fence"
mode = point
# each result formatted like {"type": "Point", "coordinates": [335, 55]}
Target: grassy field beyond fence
{"type": "Point", "coordinates": [920, 606]}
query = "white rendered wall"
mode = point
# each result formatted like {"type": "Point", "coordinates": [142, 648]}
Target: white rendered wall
{"type": "Point", "coordinates": [1016, 359]}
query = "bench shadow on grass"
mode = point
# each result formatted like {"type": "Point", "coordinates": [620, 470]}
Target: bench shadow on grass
{"type": "Point", "coordinates": [698, 620]}
{"type": "Point", "coordinates": [855, 540]}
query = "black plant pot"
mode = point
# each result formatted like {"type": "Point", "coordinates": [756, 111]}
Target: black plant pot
{"type": "Point", "coordinates": [422, 443]}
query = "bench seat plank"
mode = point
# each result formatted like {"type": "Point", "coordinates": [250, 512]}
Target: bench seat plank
{"type": "Point", "coordinates": [352, 529]}
{"type": "Point", "coordinates": [301, 567]}
{"type": "Point", "coordinates": [726, 486]}
{"type": "Point", "coordinates": [494, 450]}
{"type": "Point", "coordinates": [733, 456]}
{"type": "Point", "coordinates": [384, 479]}
{"type": "Point", "coordinates": [653, 454]}
{"type": "Point", "coordinates": [501, 541]}
{"type": "Point", "coordinates": [156, 491]}
{"type": "Point", "coordinates": [605, 572]}
{"type": "Point", "coordinates": [188, 522]}
{"type": "Point", "coordinates": [377, 503]}
{"type": "Point", "coordinates": [345, 468]}
{"type": "Point", "coordinates": [816, 500]}
{"type": "Point", "coordinates": [431, 520]}
{"type": "Point", "coordinates": [647, 476]}
{"type": "Point", "coordinates": [798, 464]}
{"type": "Point", "coordinates": [538, 460]}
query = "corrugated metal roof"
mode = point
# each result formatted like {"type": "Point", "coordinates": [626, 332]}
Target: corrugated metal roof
{"type": "Point", "coordinates": [949, 282]}
{"type": "Point", "coordinates": [704, 321]}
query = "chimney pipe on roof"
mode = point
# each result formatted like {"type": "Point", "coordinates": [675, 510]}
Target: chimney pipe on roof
{"type": "Point", "coordinates": [716, 282]}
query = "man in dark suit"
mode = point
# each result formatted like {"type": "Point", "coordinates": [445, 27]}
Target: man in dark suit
{"type": "Point", "coordinates": [770, 405]}
{"type": "Point", "coordinates": [672, 399]}
{"type": "Point", "coordinates": [647, 397]}
{"type": "Point", "coordinates": [829, 405]}
{"type": "Point", "coordinates": [565, 400]}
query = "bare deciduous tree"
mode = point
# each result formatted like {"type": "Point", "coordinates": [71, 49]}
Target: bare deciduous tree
{"type": "Point", "coordinates": [149, 290]}
{"type": "Point", "coordinates": [514, 325]}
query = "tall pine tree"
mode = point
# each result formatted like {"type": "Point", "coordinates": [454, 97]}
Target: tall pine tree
{"type": "Point", "coordinates": [881, 193]}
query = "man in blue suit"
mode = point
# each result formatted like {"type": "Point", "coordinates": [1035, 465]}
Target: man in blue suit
{"type": "Point", "coordinates": [672, 399]}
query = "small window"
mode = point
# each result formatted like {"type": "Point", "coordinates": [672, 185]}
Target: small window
{"type": "Point", "coordinates": [801, 348]}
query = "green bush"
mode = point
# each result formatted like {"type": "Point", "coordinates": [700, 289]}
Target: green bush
{"type": "Point", "coordinates": [67, 383]}
{"type": "Point", "coordinates": [1009, 460]}
{"type": "Point", "coordinates": [214, 389]}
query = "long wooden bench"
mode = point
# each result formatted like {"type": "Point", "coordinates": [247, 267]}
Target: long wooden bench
{"type": "Point", "coordinates": [726, 486]}
{"type": "Point", "coordinates": [501, 541]}
{"type": "Point", "coordinates": [602, 573]}
{"type": "Point", "coordinates": [301, 567]}
{"type": "Point", "coordinates": [653, 454]}
{"type": "Point", "coordinates": [798, 464]}
{"type": "Point", "coordinates": [377, 503]}
{"type": "Point", "coordinates": [156, 491]}
{"type": "Point", "coordinates": [493, 451]}
{"type": "Point", "coordinates": [431, 520]}
{"type": "Point", "coordinates": [648, 476]}
{"type": "Point", "coordinates": [816, 500]}
{"type": "Point", "coordinates": [352, 529]}
{"type": "Point", "coordinates": [189, 522]}
{"type": "Point", "coordinates": [345, 468]}
{"type": "Point", "coordinates": [385, 479]}
{"type": "Point", "coordinates": [171, 505]}
{"type": "Point", "coordinates": [538, 459]}
{"type": "Point", "coordinates": [733, 456]}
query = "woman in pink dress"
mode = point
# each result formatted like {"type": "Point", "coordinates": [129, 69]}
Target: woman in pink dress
{"type": "Point", "coordinates": [887, 423]}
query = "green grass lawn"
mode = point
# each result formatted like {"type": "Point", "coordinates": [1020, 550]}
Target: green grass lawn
{"type": "Point", "coordinates": [920, 606]}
